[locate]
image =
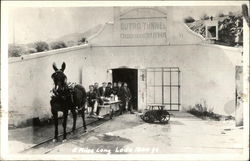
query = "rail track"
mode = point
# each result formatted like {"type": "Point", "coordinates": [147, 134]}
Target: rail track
{"type": "Point", "coordinates": [49, 145]}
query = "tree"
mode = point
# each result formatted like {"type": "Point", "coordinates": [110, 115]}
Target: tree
{"type": "Point", "coordinates": [41, 46]}
{"type": "Point", "coordinates": [15, 51]}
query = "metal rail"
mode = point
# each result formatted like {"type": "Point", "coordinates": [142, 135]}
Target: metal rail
{"type": "Point", "coordinates": [68, 132]}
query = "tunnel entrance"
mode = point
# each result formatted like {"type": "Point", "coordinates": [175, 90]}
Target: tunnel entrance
{"type": "Point", "coordinates": [130, 77]}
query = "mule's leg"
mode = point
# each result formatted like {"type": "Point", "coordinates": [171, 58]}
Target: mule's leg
{"type": "Point", "coordinates": [73, 111]}
{"type": "Point", "coordinates": [55, 116]}
{"type": "Point", "coordinates": [65, 116]}
{"type": "Point", "coordinates": [83, 118]}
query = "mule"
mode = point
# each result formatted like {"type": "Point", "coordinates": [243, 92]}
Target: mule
{"type": "Point", "coordinates": [66, 98]}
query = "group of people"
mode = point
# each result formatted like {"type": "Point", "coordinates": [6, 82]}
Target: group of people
{"type": "Point", "coordinates": [98, 95]}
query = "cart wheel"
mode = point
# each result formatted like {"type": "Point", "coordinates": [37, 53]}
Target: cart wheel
{"type": "Point", "coordinates": [165, 117]}
{"type": "Point", "coordinates": [148, 117]}
{"type": "Point", "coordinates": [145, 118]}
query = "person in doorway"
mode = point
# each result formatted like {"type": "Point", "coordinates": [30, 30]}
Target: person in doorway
{"type": "Point", "coordinates": [119, 95]}
{"type": "Point", "coordinates": [128, 97]}
{"type": "Point", "coordinates": [119, 87]}
{"type": "Point", "coordinates": [91, 99]}
{"type": "Point", "coordinates": [125, 97]}
{"type": "Point", "coordinates": [115, 89]}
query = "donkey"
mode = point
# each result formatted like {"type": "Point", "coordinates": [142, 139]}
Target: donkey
{"type": "Point", "coordinates": [66, 98]}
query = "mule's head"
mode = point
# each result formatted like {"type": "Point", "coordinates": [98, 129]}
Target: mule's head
{"type": "Point", "coordinates": [59, 78]}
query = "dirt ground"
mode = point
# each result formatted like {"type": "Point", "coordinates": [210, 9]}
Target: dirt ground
{"type": "Point", "coordinates": [128, 134]}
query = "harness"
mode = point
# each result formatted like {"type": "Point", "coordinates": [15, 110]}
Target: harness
{"type": "Point", "coordinates": [66, 91]}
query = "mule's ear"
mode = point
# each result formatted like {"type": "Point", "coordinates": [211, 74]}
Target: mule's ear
{"type": "Point", "coordinates": [63, 66]}
{"type": "Point", "coordinates": [54, 66]}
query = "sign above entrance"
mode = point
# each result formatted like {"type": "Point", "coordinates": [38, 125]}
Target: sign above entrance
{"type": "Point", "coordinates": [141, 26]}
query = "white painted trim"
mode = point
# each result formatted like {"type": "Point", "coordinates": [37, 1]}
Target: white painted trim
{"type": "Point", "coordinates": [46, 53]}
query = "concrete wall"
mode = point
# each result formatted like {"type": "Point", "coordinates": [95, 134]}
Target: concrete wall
{"type": "Point", "coordinates": [207, 73]}
{"type": "Point", "coordinates": [30, 80]}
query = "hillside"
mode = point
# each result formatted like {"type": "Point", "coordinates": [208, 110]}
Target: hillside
{"type": "Point", "coordinates": [75, 37]}
{"type": "Point", "coordinates": [228, 28]}
{"type": "Point", "coordinates": [16, 50]}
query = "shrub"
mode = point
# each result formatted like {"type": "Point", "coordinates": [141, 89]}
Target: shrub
{"type": "Point", "coordinates": [201, 110]}
{"type": "Point", "coordinates": [41, 46]}
{"type": "Point", "coordinates": [189, 19]}
{"type": "Point", "coordinates": [71, 43]}
{"type": "Point", "coordinates": [82, 41]}
{"type": "Point", "coordinates": [15, 51]}
{"type": "Point", "coordinates": [228, 29]}
{"type": "Point", "coordinates": [31, 50]}
{"type": "Point", "coordinates": [58, 45]}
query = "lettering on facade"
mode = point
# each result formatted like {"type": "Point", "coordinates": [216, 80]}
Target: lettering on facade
{"type": "Point", "coordinates": [155, 29]}
{"type": "Point", "coordinates": [145, 35]}
{"type": "Point", "coordinates": [143, 26]}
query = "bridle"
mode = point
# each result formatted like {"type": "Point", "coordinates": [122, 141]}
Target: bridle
{"type": "Point", "coordinates": [60, 88]}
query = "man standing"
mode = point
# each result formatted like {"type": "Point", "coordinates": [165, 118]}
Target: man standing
{"type": "Point", "coordinates": [127, 97]}
{"type": "Point", "coordinates": [115, 89]}
{"type": "Point", "coordinates": [124, 96]}
{"type": "Point", "coordinates": [91, 98]}
{"type": "Point", "coordinates": [96, 86]}
{"type": "Point", "coordinates": [102, 89]}
{"type": "Point", "coordinates": [98, 97]}
{"type": "Point", "coordinates": [108, 90]}
{"type": "Point", "coordinates": [119, 94]}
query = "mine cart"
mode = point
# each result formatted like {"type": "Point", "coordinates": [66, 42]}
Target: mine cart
{"type": "Point", "coordinates": [109, 107]}
{"type": "Point", "coordinates": [156, 113]}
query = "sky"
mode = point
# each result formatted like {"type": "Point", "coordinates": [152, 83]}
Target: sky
{"type": "Point", "coordinates": [26, 25]}
{"type": "Point", "coordinates": [32, 24]}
